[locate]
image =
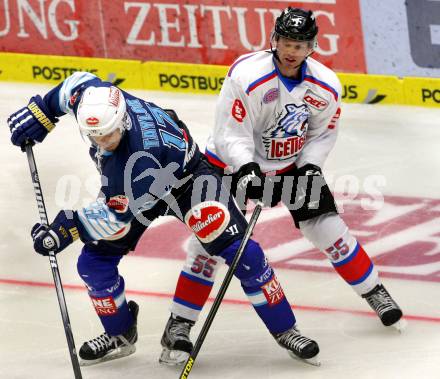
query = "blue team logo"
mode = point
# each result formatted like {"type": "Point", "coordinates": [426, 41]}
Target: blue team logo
{"type": "Point", "coordinates": [287, 136]}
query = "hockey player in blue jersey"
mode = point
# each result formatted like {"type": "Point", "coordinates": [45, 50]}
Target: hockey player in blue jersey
{"type": "Point", "coordinates": [149, 167]}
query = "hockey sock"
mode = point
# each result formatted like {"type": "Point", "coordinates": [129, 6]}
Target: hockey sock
{"type": "Point", "coordinates": [357, 269]}
{"type": "Point", "coordinates": [330, 234]}
{"type": "Point", "coordinates": [190, 296]}
{"type": "Point", "coordinates": [260, 284]}
{"type": "Point", "coordinates": [112, 308]}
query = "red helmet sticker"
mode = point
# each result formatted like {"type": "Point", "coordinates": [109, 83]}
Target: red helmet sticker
{"type": "Point", "coordinates": [92, 121]}
{"type": "Point", "coordinates": [238, 110]}
{"type": "Point", "coordinates": [208, 220]}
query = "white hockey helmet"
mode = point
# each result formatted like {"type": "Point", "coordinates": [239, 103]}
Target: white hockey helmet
{"type": "Point", "coordinates": [101, 111]}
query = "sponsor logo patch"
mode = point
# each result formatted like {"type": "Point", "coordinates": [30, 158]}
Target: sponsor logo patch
{"type": "Point", "coordinates": [113, 98]}
{"type": "Point", "coordinates": [238, 110]}
{"type": "Point", "coordinates": [273, 291]}
{"type": "Point", "coordinates": [283, 148]}
{"type": "Point", "coordinates": [208, 220]}
{"type": "Point", "coordinates": [271, 95]}
{"type": "Point", "coordinates": [104, 306]}
{"type": "Point", "coordinates": [48, 243]}
{"type": "Point", "coordinates": [73, 99]}
{"type": "Point", "coordinates": [118, 203]}
{"type": "Point", "coordinates": [315, 101]}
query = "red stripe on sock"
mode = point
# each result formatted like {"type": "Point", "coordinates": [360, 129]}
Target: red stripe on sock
{"type": "Point", "coordinates": [192, 291]}
{"type": "Point", "coordinates": [355, 268]}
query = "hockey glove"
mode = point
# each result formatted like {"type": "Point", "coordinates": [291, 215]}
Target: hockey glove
{"type": "Point", "coordinates": [249, 178]}
{"type": "Point", "coordinates": [311, 187]}
{"type": "Point", "coordinates": [31, 123]}
{"type": "Point", "coordinates": [55, 237]}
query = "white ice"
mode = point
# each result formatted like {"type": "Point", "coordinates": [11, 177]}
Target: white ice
{"type": "Point", "coordinates": [397, 144]}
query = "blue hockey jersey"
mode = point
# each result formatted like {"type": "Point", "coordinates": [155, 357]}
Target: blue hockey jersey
{"type": "Point", "coordinates": [153, 156]}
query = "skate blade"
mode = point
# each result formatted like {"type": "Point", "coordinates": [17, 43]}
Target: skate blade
{"type": "Point", "coordinates": [120, 352]}
{"type": "Point", "coordinates": [173, 357]}
{"type": "Point", "coordinates": [311, 361]}
{"type": "Point", "coordinates": [400, 325]}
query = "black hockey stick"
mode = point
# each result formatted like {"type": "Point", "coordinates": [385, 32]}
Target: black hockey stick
{"type": "Point", "coordinates": [221, 293]}
{"type": "Point", "coordinates": [53, 263]}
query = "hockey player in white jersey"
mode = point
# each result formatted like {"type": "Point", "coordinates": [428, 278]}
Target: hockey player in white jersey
{"type": "Point", "coordinates": [277, 118]}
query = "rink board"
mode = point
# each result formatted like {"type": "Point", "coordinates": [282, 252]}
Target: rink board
{"type": "Point", "coordinates": [205, 79]}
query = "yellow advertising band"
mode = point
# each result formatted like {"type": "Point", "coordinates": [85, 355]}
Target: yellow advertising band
{"type": "Point", "coordinates": [204, 79]}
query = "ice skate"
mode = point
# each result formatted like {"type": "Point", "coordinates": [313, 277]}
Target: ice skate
{"type": "Point", "coordinates": [175, 341]}
{"type": "Point", "coordinates": [299, 346]}
{"type": "Point", "coordinates": [385, 307]}
{"type": "Point", "coordinates": [105, 348]}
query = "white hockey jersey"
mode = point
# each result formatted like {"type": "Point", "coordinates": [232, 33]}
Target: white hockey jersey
{"type": "Point", "coordinates": [264, 117]}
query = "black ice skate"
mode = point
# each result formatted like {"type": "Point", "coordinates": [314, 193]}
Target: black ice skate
{"type": "Point", "coordinates": [106, 348]}
{"type": "Point", "coordinates": [385, 307]}
{"type": "Point", "coordinates": [175, 341]}
{"type": "Point", "coordinates": [299, 346]}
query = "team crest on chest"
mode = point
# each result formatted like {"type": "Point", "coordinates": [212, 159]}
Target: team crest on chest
{"type": "Point", "coordinates": [287, 136]}
{"type": "Point", "coordinates": [271, 95]}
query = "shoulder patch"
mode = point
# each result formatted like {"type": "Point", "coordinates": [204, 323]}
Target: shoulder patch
{"type": "Point", "coordinates": [238, 110]}
{"type": "Point", "coordinates": [315, 101]}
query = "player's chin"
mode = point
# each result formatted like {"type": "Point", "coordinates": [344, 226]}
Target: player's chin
{"type": "Point", "coordinates": [292, 63]}
{"type": "Point", "coordinates": [110, 146]}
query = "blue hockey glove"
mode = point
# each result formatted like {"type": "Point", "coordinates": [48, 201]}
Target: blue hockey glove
{"type": "Point", "coordinates": [55, 237]}
{"type": "Point", "coordinates": [246, 180]}
{"type": "Point", "coordinates": [31, 123]}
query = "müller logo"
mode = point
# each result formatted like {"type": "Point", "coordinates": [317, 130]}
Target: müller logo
{"type": "Point", "coordinates": [208, 220]}
{"type": "Point", "coordinates": [211, 218]}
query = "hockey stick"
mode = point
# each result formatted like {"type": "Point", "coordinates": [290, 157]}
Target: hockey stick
{"type": "Point", "coordinates": [221, 293]}
{"type": "Point", "coordinates": [53, 263]}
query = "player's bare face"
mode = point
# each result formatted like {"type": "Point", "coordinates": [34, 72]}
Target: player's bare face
{"type": "Point", "coordinates": [292, 54]}
{"type": "Point", "coordinates": [110, 141]}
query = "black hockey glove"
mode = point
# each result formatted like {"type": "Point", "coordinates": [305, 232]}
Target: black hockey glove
{"type": "Point", "coordinates": [31, 123]}
{"type": "Point", "coordinates": [56, 237]}
{"type": "Point", "coordinates": [250, 179]}
{"type": "Point", "coordinates": [310, 184]}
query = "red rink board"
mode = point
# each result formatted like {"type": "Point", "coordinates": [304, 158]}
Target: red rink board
{"type": "Point", "coordinates": [194, 31]}
{"type": "Point", "coordinates": [402, 238]}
